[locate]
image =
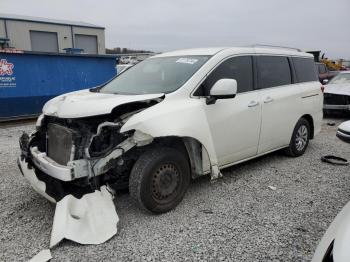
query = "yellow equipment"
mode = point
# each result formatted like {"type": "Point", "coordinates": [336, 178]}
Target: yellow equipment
{"type": "Point", "coordinates": [332, 64]}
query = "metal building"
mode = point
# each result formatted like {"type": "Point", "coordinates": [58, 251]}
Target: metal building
{"type": "Point", "coordinates": [46, 35]}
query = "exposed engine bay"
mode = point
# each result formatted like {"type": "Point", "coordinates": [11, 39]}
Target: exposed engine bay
{"type": "Point", "coordinates": [87, 152]}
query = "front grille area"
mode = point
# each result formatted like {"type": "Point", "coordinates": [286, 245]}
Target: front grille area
{"type": "Point", "coordinates": [333, 99]}
{"type": "Point", "coordinates": [59, 143]}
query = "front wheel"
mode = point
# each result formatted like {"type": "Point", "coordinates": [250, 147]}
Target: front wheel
{"type": "Point", "coordinates": [159, 179]}
{"type": "Point", "coordinates": [300, 138]}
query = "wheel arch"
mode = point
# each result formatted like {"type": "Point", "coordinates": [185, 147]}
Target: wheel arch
{"type": "Point", "coordinates": [195, 152]}
{"type": "Point", "coordinates": [310, 120]}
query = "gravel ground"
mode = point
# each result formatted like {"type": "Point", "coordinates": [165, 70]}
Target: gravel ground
{"type": "Point", "coordinates": [237, 218]}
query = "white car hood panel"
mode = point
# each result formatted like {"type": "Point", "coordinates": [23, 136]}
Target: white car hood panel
{"type": "Point", "coordinates": [338, 89]}
{"type": "Point", "coordinates": [85, 103]}
{"type": "Point", "coordinates": [90, 220]}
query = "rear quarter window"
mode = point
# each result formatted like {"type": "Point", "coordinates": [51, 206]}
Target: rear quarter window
{"type": "Point", "coordinates": [273, 71]}
{"type": "Point", "coordinates": [305, 69]}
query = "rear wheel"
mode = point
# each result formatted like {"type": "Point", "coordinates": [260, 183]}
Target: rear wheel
{"type": "Point", "coordinates": [159, 179]}
{"type": "Point", "coordinates": [300, 138]}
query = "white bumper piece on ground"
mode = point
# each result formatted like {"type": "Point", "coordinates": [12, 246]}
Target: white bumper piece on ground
{"type": "Point", "coordinates": [89, 220]}
{"type": "Point", "coordinates": [42, 256]}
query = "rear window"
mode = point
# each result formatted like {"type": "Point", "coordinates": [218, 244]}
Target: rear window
{"type": "Point", "coordinates": [273, 71]}
{"type": "Point", "coordinates": [305, 69]}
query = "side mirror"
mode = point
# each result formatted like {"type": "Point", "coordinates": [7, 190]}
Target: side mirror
{"type": "Point", "coordinates": [325, 81]}
{"type": "Point", "coordinates": [222, 89]}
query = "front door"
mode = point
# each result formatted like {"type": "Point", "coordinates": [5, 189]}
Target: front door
{"type": "Point", "coordinates": [234, 123]}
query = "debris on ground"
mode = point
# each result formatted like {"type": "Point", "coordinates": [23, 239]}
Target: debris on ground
{"type": "Point", "coordinates": [207, 211]}
{"type": "Point", "coordinates": [91, 219]}
{"type": "Point", "coordinates": [42, 256]}
{"type": "Point", "coordinates": [272, 188]}
{"type": "Point", "coordinates": [335, 160]}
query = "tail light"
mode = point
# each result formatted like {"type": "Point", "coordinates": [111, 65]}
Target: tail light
{"type": "Point", "coordinates": [322, 89]}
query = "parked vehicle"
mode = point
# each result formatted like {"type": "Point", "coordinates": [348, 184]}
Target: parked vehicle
{"type": "Point", "coordinates": [334, 245]}
{"type": "Point", "coordinates": [124, 60]}
{"type": "Point", "coordinates": [346, 65]}
{"type": "Point", "coordinates": [324, 75]}
{"type": "Point", "coordinates": [173, 117]}
{"type": "Point", "coordinates": [337, 93]}
{"type": "Point", "coordinates": [128, 60]}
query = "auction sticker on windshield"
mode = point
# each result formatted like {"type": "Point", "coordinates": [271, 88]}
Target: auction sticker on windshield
{"type": "Point", "coordinates": [185, 60]}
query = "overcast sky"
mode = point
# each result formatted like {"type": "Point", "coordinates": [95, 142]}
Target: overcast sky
{"type": "Point", "coordinates": [162, 25]}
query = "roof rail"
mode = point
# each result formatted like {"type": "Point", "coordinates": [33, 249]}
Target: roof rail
{"type": "Point", "coordinates": [277, 46]}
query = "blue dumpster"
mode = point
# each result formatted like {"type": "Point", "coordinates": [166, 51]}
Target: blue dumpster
{"type": "Point", "coordinates": [29, 79]}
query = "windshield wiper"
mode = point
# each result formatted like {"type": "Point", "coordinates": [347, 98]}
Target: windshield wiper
{"type": "Point", "coordinates": [95, 89]}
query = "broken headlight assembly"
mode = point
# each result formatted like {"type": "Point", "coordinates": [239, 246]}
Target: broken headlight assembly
{"type": "Point", "coordinates": [105, 140]}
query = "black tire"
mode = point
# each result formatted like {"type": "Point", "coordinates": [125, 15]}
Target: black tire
{"type": "Point", "coordinates": [295, 148]}
{"type": "Point", "coordinates": [159, 179]}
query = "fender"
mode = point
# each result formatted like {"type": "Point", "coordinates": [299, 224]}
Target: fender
{"type": "Point", "coordinates": [177, 117]}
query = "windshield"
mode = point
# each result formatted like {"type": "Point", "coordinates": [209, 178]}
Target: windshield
{"type": "Point", "coordinates": [155, 75]}
{"type": "Point", "coordinates": [341, 79]}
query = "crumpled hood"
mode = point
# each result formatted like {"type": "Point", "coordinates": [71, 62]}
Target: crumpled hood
{"type": "Point", "coordinates": [85, 103]}
{"type": "Point", "coordinates": [338, 89]}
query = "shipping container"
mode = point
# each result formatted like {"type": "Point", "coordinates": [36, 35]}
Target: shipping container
{"type": "Point", "coordinates": [29, 79]}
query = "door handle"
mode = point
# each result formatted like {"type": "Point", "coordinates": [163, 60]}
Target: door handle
{"type": "Point", "coordinates": [268, 100]}
{"type": "Point", "coordinates": [253, 103]}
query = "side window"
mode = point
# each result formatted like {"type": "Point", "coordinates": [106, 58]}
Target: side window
{"type": "Point", "coordinates": [273, 71]}
{"type": "Point", "coordinates": [305, 69]}
{"type": "Point", "coordinates": [239, 68]}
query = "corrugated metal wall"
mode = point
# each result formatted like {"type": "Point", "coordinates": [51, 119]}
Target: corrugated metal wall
{"type": "Point", "coordinates": [28, 80]}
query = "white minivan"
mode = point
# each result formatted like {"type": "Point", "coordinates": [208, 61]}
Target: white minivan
{"type": "Point", "coordinates": [173, 117]}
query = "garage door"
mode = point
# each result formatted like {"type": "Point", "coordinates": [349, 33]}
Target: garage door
{"type": "Point", "coordinates": [44, 41]}
{"type": "Point", "coordinates": [86, 42]}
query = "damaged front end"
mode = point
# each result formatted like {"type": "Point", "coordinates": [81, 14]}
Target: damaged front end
{"type": "Point", "coordinates": [77, 163]}
{"type": "Point", "coordinates": [78, 156]}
